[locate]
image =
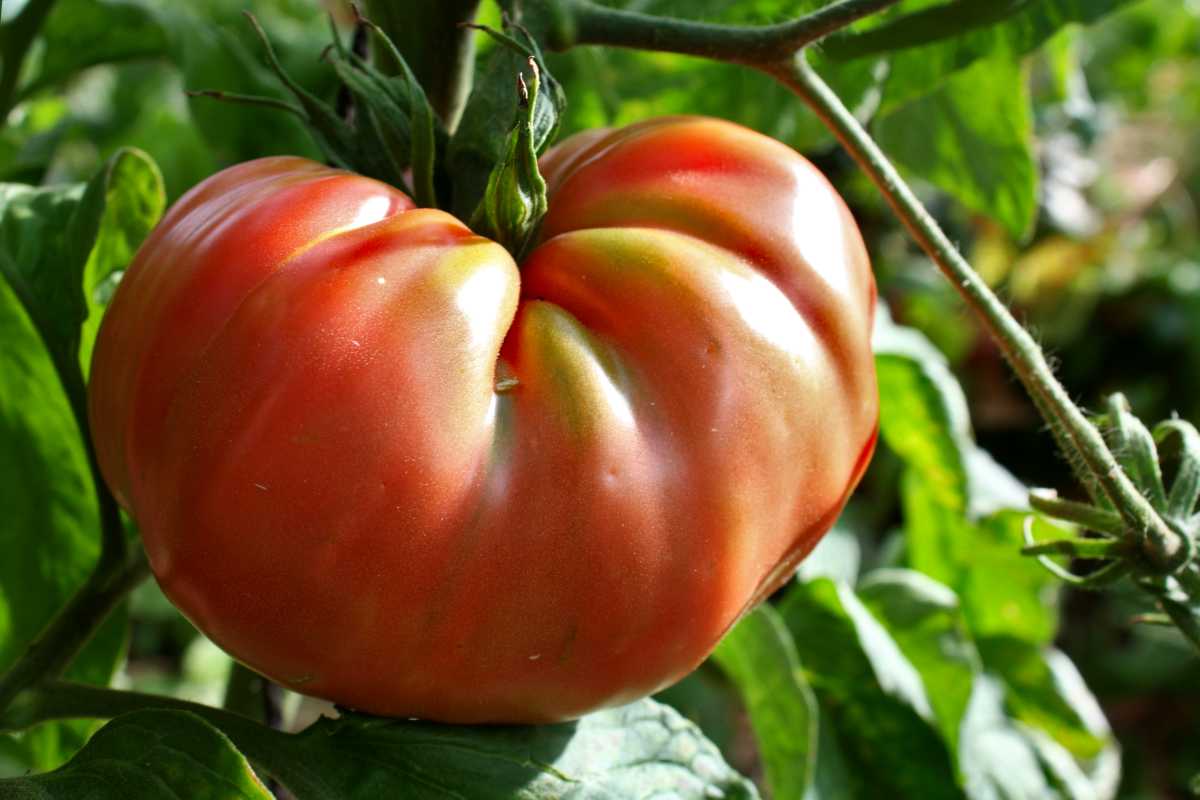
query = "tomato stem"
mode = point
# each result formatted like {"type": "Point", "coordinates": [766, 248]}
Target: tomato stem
{"type": "Point", "coordinates": [57, 645]}
{"type": "Point", "coordinates": [584, 22]}
{"type": "Point", "coordinates": [1083, 440]}
{"type": "Point", "coordinates": [438, 49]}
{"type": "Point", "coordinates": [56, 700]}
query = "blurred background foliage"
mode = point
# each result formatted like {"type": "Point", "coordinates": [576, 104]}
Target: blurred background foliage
{"type": "Point", "coordinates": [1063, 160]}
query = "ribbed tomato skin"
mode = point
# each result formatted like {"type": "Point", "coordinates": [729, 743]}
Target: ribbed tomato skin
{"type": "Point", "coordinates": [380, 463]}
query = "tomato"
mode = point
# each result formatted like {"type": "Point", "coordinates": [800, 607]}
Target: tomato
{"type": "Point", "coordinates": [380, 463]}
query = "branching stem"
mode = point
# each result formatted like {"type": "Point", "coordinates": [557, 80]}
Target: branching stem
{"type": "Point", "coordinates": [57, 645]}
{"type": "Point", "coordinates": [584, 22]}
{"type": "Point", "coordinates": [1023, 353]}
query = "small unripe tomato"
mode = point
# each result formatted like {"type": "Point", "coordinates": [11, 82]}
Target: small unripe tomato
{"type": "Point", "coordinates": [379, 462]}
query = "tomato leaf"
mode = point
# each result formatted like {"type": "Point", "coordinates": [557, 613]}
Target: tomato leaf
{"type": "Point", "coordinates": [972, 137]}
{"type": "Point", "coordinates": [900, 654]}
{"type": "Point", "coordinates": [760, 657]}
{"type": "Point", "coordinates": [924, 618]}
{"type": "Point", "coordinates": [57, 244]}
{"type": "Point", "coordinates": [58, 248]}
{"type": "Point", "coordinates": [641, 750]}
{"type": "Point", "coordinates": [71, 44]}
{"type": "Point", "coordinates": [921, 27]}
{"type": "Point", "coordinates": [923, 414]}
{"type": "Point", "coordinates": [148, 754]}
{"type": "Point", "coordinates": [1046, 692]}
{"type": "Point", "coordinates": [1002, 591]}
{"type": "Point", "coordinates": [917, 69]}
{"type": "Point", "coordinates": [873, 697]}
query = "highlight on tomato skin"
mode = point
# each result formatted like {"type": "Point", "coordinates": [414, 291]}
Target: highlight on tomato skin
{"type": "Point", "coordinates": [379, 462]}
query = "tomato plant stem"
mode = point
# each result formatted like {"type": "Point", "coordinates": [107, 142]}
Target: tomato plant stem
{"type": "Point", "coordinates": [55, 700]}
{"type": "Point", "coordinates": [584, 22]}
{"type": "Point", "coordinates": [435, 44]}
{"type": "Point", "coordinates": [55, 647]}
{"type": "Point", "coordinates": [1022, 351]}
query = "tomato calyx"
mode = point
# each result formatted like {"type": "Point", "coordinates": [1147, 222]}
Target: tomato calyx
{"type": "Point", "coordinates": [515, 201]}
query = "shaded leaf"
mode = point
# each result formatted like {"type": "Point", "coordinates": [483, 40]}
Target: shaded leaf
{"type": "Point", "coordinates": [972, 137]}
{"type": "Point", "coordinates": [57, 244]}
{"type": "Point", "coordinates": [1045, 692]}
{"type": "Point", "coordinates": [57, 247]}
{"type": "Point", "coordinates": [148, 754]}
{"type": "Point", "coordinates": [760, 657]}
{"type": "Point", "coordinates": [641, 750]}
{"type": "Point", "coordinates": [872, 695]}
{"type": "Point", "coordinates": [924, 618]}
{"type": "Point", "coordinates": [83, 33]}
{"type": "Point", "coordinates": [915, 71]}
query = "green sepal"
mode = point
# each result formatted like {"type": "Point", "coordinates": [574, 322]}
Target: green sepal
{"type": "Point", "coordinates": [1185, 488]}
{"type": "Point", "coordinates": [397, 105]}
{"type": "Point", "coordinates": [392, 129]}
{"type": "Point", "coordinates": [1090, 517]}
{"type": "Point", "coordinates": [515, 202]}
{"type": "Point", "coordinates": [479, 144]}
{"type": "Point", "coordinates": [1134, 449]}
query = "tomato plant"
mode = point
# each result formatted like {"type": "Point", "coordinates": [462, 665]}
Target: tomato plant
{"type": "Point", "coordinates": [505, 362]}
{"type": "Point", "coordinates": [376, 461]}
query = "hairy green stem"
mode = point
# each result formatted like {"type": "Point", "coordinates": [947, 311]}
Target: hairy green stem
{"type": "Point", "coordinates": [1085, 514]}
{"type": "Point", "coordinates": [435, 44]}
{"type": "Point", "coordinates": [584, 22]}
{"type": "Point", "coordinates": [1162, 545]}
{"type": "Point", "coordinates": [56, 646]}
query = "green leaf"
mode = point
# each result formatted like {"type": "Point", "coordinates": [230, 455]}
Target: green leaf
{"type": "Point", "coordinates": [923, 413]}
{"type": "Point", "coordinates": [917, 70]}
{"type": "Point", "coordinates": [58, 244]}
{"type": "Point", "coordinates": [963, 512]}
{"type": "Point", "coordinates": [707, 698]}
{"type": "Point", "coordinates": [134, 200]}
{"type": "Point", "coordinates": [914, 28]}
{"type": "Point", "coordinates": [1002, 592]}
{"type": "Point", "coordinates": [924, 618]}
{"type": "Point", "coordinates": [996, 757]}
{"type": "Point", "coordinates": [902, 628]}
{"type": "Point", "coordinates": [760, 657]}
{"type": "Point", "coordinates": [879, 710]}
{"type": "Point", "coordinates": [642, 750]}
{"type": "Point", "coordinates": [83, 33]}
{"type": "Point", "coordinates": [212, 57]}
{"type": "Point", "coordinates": [148, 754]}
{"type": "Point", "coordinates": [54, 244]}
{"type": "Point", "coordinates": [972, 137]}
{"type": "Point", "coordinates": [1045, 692]}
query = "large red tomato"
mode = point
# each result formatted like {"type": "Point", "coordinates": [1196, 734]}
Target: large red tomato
{"type": "Point", "coordinates": [378, 461]}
